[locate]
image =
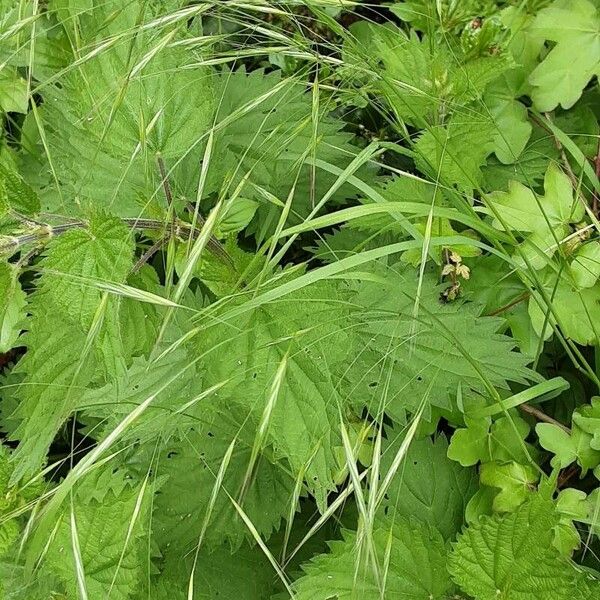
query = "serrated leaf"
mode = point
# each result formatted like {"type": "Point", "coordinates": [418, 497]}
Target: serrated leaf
{"type": "Point", "coordinates": [455, 152]}
{"type": "Point", "coordinates": [110, 533]}
{"type": "Point", "coordinates": [428, 486]}
{"type": "Point", "coordinates": [417, 569]}
{"type": "Point", "coordinates": [16, 193]}
{"type": "Point", "coordinates": [12, 308]}
{"type": "Point", "coordinates": [512, 556]}
{"type": "Point", "coordinates": [13, 91]}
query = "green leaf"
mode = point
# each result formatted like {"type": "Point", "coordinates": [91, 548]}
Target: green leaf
{"type": "Point", "coordinates": [73, 333]}
{"type": "Point", "coordinates": [304, 421]}
{"type": "Point", "coordinates": [559, 442]}
{"type": "Point", "coordinates": [455, 152]}
{"type": "Point", "coordinates": [192, 462]}
{"type": "Point", "coordinates": [426, 358]}
{"type": "Point", "coordinates": [574, 26]}
{"type": "Point", "coordinates": [237, 217]}
{"type": "Point", "coordinates": [515, 481]}
{"type": "Point", "coordinates": [576, 445]}
{"type": "Point", "coordinates": [587, 418]}
{"type": "Point", "coordinates": [585, 267]}
{"type": "Point", "coordinates": [571, 505]}
{"type": "Point", "coordinates": [12, 308]}
{"type": "Point", "coordinates": [104, 138]}
{"type": "Point", "coordinates": [17, 194]}
{"type": "Point", "coordinates": [481, 440]}
{"type": "Point", "coordinates": [13, 91]}
{"type": "Point", "coordinates": [576, 310]}
{"type": "Point", "coordinates": [101, 252]}
{"type": "Point", "coordinates": [511, 556]}
{"type": "Point", "coordinates": [110, 519]}
{"type": "Point", "coordinates": [521, 210]}
{"type": "Point", "coordinates": [428, 486]}
{"type": "Point", "coordinates": [219, 573]}
{"type": "Point", "coordinates": [417, 566]}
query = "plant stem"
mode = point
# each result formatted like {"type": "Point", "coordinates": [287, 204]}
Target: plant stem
{"type": "Point", "coordinates": [542, 416]}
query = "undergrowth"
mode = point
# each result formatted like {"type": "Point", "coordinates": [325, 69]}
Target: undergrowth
{"type": "Point", "coordinates": [299, 299]}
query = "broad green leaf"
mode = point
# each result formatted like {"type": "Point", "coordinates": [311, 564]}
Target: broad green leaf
{"type": "Point", "coordinates": [416, 566]}
{"type": "Point", "coordinates": [586, 265]}
{"type": "Point", "coordinates": [557, 441]}
{"type": "Point", "coordinates": [428, 486]}
{"type": "Point", "coordinates": [402, 361]}
{"type": "Point", "coordinates": [484, 441]}
{"type": "Point", "coordinates": [12, 308]}
{"type": "Point", "coordinates": [13, 91]}
{"type": "Point", "coordinates": [574, 26]}
{"type": "Point", "coordinates": [571, 505]}
{"type": "Point", "coordinates": [587, 418]}
{"type": "Point", "coordinates": [511, 556]}
{"type": "Point", "coordinates": [455, 152]}
{"type": "Point", "coordinates": [237, 217]}
{"type": "Point", "coordinates": [105, 137]}
{"type": "Point", "coordinates": [515, 481]}
{"type": "Point", "coordinates": [103, 251]}
{"type": "Point", "coordinates": [576, 310]}
{"type": "Point", "coordinates": [191, 462]}
{"type": "Point", "coordinates": [110, 517]}
{"type": "Point", "coordinates": [73, 332]}
{"type": "Point", "coordinates": [521, 210]}
{"type": "Point", "coordinates": [17, 194]}
{"type": "Point", "coordinates": [244, 574]}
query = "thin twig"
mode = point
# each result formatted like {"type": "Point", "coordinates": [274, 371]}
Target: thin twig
{"type": "Point", "coordinates": [517, 300]}
{"type": "Point", "coordinates": [542, 416]}
{"type": "Point", "coordinates": [148, 254]}
{"type": "Point", "coordinates": [165, 180]}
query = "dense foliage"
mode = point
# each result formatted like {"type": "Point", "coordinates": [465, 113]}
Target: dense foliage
{"type": "Point", "coordinates": [299, 300]}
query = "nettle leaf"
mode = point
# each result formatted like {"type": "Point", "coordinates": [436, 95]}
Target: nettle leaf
{"type": "Point", "coordinates": [454, 153]}
{"type": "Point", "coordinates": [424, 358]}
{"type": "Point", "coordinates": [428, 486]}
{"type": "Point", "coordinates": [246, 354]}
{"type": "Point", "coordinates": [104, 138]}
{"type": "Point", "coordinates": [511, 556]}
{"type": "Point", "coordinates": [12, 308]}
{"type": "Point", "coordinates": [77, 259]}
{"type": "Point", "coordinates": [13, 91]}
{"type": "Point", "coordinates": [574, 26]}
{"type": "Point", "coordinates": [422, 80]}
{"type": "Point", "coordinates": [110, 520]}
{"type": "Point", "coordinates": [16, 193]}
{"type": "Point", "coordinates": [65, 308]}
{"type": "Point", "coordinates": [192, 462]}
{"type": "Point", "coordinates": [270, 143]}
{"type": "Point", "coordinates": [416, 566]}
{"type": "Point", "coordinates": [219, 573]}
